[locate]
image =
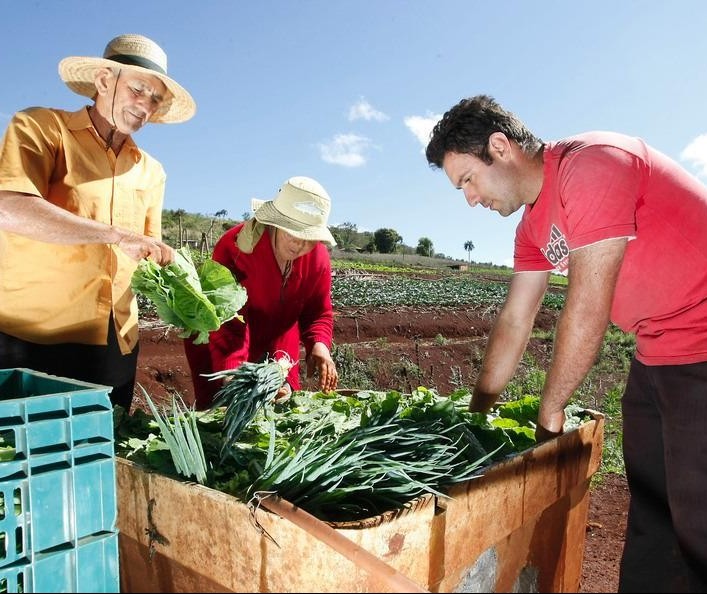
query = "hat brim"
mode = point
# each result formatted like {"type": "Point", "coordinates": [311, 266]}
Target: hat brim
{"type": "Point", "coordinates": [266, 213]}
{"type": "Point", "coordinates": [79, 72]}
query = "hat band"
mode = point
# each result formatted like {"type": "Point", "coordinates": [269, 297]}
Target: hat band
{"type": "Point", "coordinates": [298, 222]}
{"type": "Point", "coordinates": [287, 223]}
{"type": "Point", "coordinates": [129, 60]}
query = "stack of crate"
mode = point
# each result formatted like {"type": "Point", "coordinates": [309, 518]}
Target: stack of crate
{"type": "Point", "coordinates": [58, 516]}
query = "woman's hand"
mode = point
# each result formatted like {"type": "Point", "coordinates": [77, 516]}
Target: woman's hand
{"type": "Point", "coordinates": [284, 393]}
{"type": "Point", "coordinates": [319, 361]}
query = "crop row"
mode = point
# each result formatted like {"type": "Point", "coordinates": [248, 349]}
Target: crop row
{"type": "Point", "coordinates": [385, 291]}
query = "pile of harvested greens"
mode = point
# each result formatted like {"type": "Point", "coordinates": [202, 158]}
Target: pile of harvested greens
{"type": "Point", "coordinates": [345, 457]}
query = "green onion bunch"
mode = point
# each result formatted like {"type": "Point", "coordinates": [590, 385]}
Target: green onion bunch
{"type": "Point", "coordinates": [180, 433]}
{"type": "Point", "coordinates": [375, 467]}
{"type": "Point", "coordinates": [246, 389]}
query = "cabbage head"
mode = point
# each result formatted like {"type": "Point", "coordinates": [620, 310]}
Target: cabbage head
{"type": "Point", "coordinates": [195, 301]}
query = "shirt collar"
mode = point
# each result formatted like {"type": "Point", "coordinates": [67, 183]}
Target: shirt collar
{"type": "Point", "coordinates": [79, 120]}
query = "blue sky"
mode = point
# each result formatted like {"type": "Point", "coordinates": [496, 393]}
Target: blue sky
{"type": "Point", "coordinates": [345, 91]}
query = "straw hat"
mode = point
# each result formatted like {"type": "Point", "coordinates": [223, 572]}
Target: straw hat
{"type": "Point", "coordinates": [138, 53]}
{"type": "Point", "coordinates": [301, 207]}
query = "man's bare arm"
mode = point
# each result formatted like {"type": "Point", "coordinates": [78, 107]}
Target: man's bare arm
{"type": "Point", "coordinates": [32, 216]}
{"type": "Point", "coordinates": [581, 326]}
{"type": "Point", "coordinates": [508, 337]}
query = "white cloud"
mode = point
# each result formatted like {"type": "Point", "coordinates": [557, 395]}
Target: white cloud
{"type": "Point", "coordinates": [696, 153]}
{"type": "Point", "coordinates": [345, 149]}
{"type": "Point", "coordinates": [421, 126]}
{"type": "Point", "coordinates": [363, 110]}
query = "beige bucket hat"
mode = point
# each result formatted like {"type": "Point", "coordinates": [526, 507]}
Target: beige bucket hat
{"type": "Point", "coordinates": [301, 207]}
{"type": "Point", "coordinates": [135, 52]}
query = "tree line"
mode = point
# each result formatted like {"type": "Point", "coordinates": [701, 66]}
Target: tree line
{"type": "Point", "coordinates": [200, 231]}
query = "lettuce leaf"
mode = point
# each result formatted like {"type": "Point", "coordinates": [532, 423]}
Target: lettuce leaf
{"type": "Point", "coordinates": [196, 302]}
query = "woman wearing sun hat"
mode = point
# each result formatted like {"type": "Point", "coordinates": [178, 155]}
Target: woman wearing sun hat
{"type": "Point", "coordinates": [80, 205]}
{"type": "Point", "coordinates": [281, 259]}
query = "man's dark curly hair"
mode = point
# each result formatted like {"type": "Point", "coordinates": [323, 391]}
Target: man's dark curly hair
{"type": "Point", "coordinates": [467, 126]}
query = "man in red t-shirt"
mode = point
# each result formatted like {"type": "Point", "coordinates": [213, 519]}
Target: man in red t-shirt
{"type": "Point", "coordinates": [629, 227]}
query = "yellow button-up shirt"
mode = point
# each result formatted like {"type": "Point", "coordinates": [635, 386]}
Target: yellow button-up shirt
{"type": "Point", "coordinates": [52, 293]}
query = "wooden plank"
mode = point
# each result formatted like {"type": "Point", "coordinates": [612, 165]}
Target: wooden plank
{"type": "Point", "coordinates": [207, 541]}
{"type": "Point", "coordinates": [524, 520]}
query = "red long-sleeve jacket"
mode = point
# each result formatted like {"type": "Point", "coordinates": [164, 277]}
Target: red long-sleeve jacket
{"type": "Point", "coordinates": [278, 315]}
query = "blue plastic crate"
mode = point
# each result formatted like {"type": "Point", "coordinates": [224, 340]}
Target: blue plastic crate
{"type": "Point", "coordinates": [58, 502]}
{"type": "Point", "coordinates": [90, 566]}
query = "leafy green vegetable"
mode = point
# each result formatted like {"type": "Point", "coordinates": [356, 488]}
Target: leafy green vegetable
{"type": "Point", "coordinates": [197, 302]}
{"type": "Point", "coordinates": [523, 410]}
{"type": "Point", "coordinates": [7, 446]}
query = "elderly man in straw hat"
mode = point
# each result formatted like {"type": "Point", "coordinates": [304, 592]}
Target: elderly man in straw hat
{"type": "Point", "coordinates": [80, 205]}
{"type": "Point", "coordinates": [280, 258]}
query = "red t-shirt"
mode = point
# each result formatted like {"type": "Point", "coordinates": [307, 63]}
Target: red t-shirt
{"type": "Point", "coordinates": [603, 185]}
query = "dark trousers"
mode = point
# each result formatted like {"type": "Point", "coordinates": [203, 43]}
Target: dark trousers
{"type": "Point", "coordinates": [97, 364]}
{"type": "Point", "coordinates": [665, 452]}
